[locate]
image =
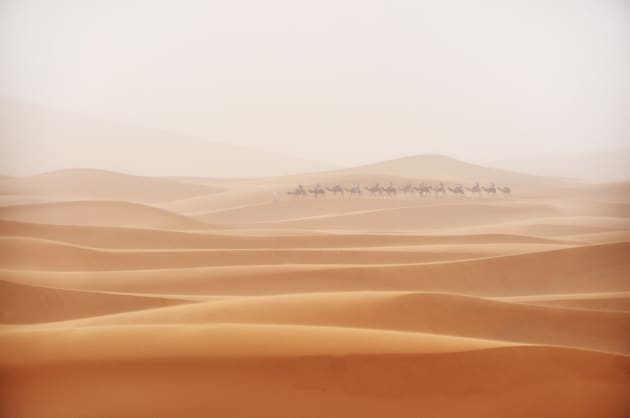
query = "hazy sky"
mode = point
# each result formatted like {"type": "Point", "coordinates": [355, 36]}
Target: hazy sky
{"type": "Point", "coordinates": [341, 81]}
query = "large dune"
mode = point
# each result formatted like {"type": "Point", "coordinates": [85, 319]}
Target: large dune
{"type": "Point", "coordinates": [287, 371]}
{"type": "Point", "coordinates": [598, 268]}
{"type": "Point", "coordinates": [58, 140]}
{"type": "Point", "coordinates": [449, 169]}
{"type": "Point", "coordinates": [444, 314]}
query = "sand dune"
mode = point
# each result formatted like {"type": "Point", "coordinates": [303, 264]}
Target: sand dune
{"type": "Point", "coordinates": [610, 301]}
{"type": "Point", "coordinates": [597, 268]}
{"type": "Point", "coordinates": [41, 138]}
{"type": "Point", "coordinates": [100, 213]}
{"type": "Point", "coordinates": [611, 191]}
{"type": "Point", "coordinates": [158, 297]}
{"type": "Point", "coordinates": [449, 169]}
{"type": "Point", "coordinates": [427, 216]}
{"type": "Point", "coordinates": [23, 304]}
{"type": "Point", "coordinates": [84, 184]}
{"type": "Point", "coordinates": [136, 238]}
{"type": "Point", "coordinates": [444, 314]}
{"type": "Point", "coordinates": [18, 253]}
{"type": "Point", "coordinates": [214, 340]}
{"type": "Point", "coordinates": [476, 383]}
{"type": "Point", "coordinates": [593, 166]}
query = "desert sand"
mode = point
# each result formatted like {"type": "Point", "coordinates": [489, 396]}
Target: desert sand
{"type": "Point", "coordinates": [129, 296]}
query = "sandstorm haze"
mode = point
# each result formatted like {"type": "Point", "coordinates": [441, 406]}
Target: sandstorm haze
{"type": "Point", "coordinates": [333, 84]}
{"type": "Point", "coordinates": [281, 209]}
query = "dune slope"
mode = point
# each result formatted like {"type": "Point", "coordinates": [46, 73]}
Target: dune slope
{"type": "Point", "coordinates": [99, 213]}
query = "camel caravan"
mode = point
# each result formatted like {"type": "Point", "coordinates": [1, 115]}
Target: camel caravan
{"type": "Point", "coordinates": [424, 190]}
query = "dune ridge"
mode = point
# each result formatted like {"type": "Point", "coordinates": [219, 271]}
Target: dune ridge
{"type": "Point", "coordinates": [595, 268]}
{"type": "Point", "coordinates": [142, 238]}
{"type": "Point", "coordinates": [24, 304]}
{"type": "Point", "coordinates": [99, 213]}
{"type": "Point", "coordinates": [444, 314]}
{"type": "Point", "coordinates": [90, 184]}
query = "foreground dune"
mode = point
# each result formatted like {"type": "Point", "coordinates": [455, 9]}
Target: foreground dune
{"type": "Point", "coordinates": [444, 314]}
{"type": "Point", "coordinates": [428, 376]}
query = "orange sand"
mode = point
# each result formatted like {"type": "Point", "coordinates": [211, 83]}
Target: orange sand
{"type": "Point", "coordinates": [133, 296]}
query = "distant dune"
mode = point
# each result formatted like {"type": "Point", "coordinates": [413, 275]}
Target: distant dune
{"type": "Point", "coordinates": [101, 213]}
{"type": "Point", "coordinates": [58, 141]}
{"type": "Point", "coordinates": [441, 167]}
{"type": "Point", "coordinates": [87, 184]}
{"type": "Point", "coordinates": [594, 166]}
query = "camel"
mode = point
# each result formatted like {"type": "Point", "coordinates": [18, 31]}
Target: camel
{"type": "Point", "coordinates": [490, 190]}
{"type": "Point", "coordinates": [407, 189]}
{"type": "Point", "coordinates": [507, 192]}
{"type": "Point", "coordinates": [440, 190]}
{"type": "Point", "coordinates": [336, 189]}
{"type": "Point", "coordinates": [317, 191]}
{"type": "Point", "coordinates": [458, 191]}
{"type": "Point", "coordinates": [390, 190]}
{"type": "Point", "coordinates": [475, 190]}
{"type": "Point", "coordinates": [374, 190]}
{"type": "Point", "coordinates": [423, 189]}
{"type": "Point", "coordinates": [298, 192]}
{"type": "Point", "coordinates": [354, 190]}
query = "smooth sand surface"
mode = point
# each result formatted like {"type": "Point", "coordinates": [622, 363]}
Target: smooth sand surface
{"type": "Point", "coordinates": [100, 185]}
{"type": "Point", "coordinates": [99, 213]}
{"type": "Point", "coordinates": [133, 296]}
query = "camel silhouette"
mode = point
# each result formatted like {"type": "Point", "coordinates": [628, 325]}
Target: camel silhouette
{"type": "Point", "coordinates": [423, 190]}
{"type": "Point", "coordinates": [317, 191]}
{"type": "Point", "coordinates": [335, 189]}
{"type": "Point", "coordinates": [458, 191]}
{"type": "Point", "coordinates": [390, 190]}
{"type": "Point", "coordinates": [407, 189]}
{"type": "Point", "coordinates": [490, 190]}
{"type": "Point", "coordinates": [475, 190]}
{"type": "Point", "coordinates": [439, 190]}
{"type": "Point", "coordinates": [298, 192]}
{"type": "Point", "coordinates": [374, 190]}
{"type": "Point", "coordinates": [507, 192]}
{"type": "Point", "coordinates": [355, 190]}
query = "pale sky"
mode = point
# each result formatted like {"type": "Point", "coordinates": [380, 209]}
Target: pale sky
{"type": "Point", "coordinates": [341, 81]}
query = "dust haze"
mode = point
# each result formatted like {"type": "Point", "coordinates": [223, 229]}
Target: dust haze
{"type": "Point", "coordinates": [329, 209]}
{"type": "Point", "coordinates": [340, 83]}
